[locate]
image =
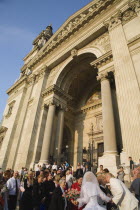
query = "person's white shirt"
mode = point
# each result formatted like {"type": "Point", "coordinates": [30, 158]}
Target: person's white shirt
{"type": "Point", "coordinates": [54, 167]}
{"type": "Point", "coordinates": [11, 185]}
{"type": "Point", "coordinates": [69, 180]}
{"type": "Point", "coordinates": [122, 196]}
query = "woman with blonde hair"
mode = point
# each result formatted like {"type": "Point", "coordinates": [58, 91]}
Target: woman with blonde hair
{"type": "Point", "coordinates": [26, 202]}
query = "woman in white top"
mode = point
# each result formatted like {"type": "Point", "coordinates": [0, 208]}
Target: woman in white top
{"type": "Point", "coordinates": [69, 178]}
{"type": "Point", "coordinates": [90, 191]}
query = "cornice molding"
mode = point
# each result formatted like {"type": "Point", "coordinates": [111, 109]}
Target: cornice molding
{"type": "Point", "coordinates": [91, 107]}
{"type": "Point", "coordinates": [102, 60]}
{"type": "Point", "coordinates": [17, 84]}
{"type": "Point", "coordinates": [69, 27]}
{"type": "Point", "coordinates": [58, 91]}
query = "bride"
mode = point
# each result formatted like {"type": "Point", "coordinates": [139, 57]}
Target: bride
{"type": "Point", "coordinates": [90, 191]}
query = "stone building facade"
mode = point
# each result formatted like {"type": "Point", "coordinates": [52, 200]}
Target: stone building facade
{"type": "Point", "coordinates": [78, 95]}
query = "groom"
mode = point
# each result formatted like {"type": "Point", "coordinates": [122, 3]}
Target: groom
{"type": "Point", "coordinates": [121, 195]}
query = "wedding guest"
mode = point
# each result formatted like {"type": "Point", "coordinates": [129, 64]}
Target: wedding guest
{"type": "Point", "coordinates": [131, 166]}
{"type": "Point", "coordinates": [54, 166]}
{"type": "Point", "coordinates": [38, 192]}
{"type": "Point", "coordinates": [37, 170]}
{"type": "Point", "coordinates": [78, 183]}
{"type": "Point", "coordinates": [77, 186]}
{"type": "Point", "coordinates": [26, 202]}
{"type": "Point", "coordinates": [56, 180]}
{"type": "Point", "coordinates": [69, 178]}
{"type": "Point", "coordinates": [13, 185]}
{"type": "Point", "coordinates": [58, 201]}
{"type": "Point", "coordinates": [121, 174]}
{"type": "Point", "coordinates": [21, 173]}
{"type": "Point", "coordinates": [86, 169]}
{"type": "Point", "coordinates": [101, 170]}
{"type": "Point", "coordinates": [105, 170]}
{"type": "Point", "coordinates": [135, 187]}
{"type": "Point", "coordinates": [79, 171]}
{"type": "Point", "coordinates": [121, 195]}
{"type": "Point", "coordinates": [49, 187]}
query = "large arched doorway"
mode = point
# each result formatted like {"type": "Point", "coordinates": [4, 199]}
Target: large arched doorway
{"type": "Point", "coordinates": [78, 79]}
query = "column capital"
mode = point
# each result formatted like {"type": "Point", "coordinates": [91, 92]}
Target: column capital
{"type": "Point", "coordinates": [103, 76]}
{"type": "Point", "coordinates": [114, 21]}
{"type": "Point", "coordinates": [54, 101]}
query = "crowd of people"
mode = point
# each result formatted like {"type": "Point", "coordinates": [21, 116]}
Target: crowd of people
{"type": "Point", "coordinates": [59, 187]}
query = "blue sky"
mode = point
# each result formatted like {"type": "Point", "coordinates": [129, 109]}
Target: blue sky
{"type": "Point", "coordinates": [20, 22]}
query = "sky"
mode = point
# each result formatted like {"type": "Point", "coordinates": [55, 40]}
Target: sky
{"type": "Point", "coordinates": [20, 23]}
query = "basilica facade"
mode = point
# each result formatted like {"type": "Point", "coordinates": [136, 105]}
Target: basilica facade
{"type": "Point", "coordinates": [78, 94]}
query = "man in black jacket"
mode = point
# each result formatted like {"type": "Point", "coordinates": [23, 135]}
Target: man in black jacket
{"type": "Point", "coordinates": [58, 201]}
{"type": "Point", "coordinates": [49, 187]}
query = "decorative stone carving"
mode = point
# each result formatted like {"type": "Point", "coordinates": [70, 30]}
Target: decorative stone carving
{"type": "Point", "coordinates": [135, 5]}
{"type": "Point", "coordinates": [74, 53]}
{"type": "Point", "coordinates": [10, 108]}
{"type": "Point", "coordinates": [71, 26]}
{"type": "Point", "coordinates": [56, 102]}
{"type": "Point", "coordinates": [102, 76]}
{"type": "Point", "coordinates": [103, 60]}
{"type": "Point", "coordinates": [55, 89]}
{"type": "Point", "coordinates": [114, 21]}
{"type": "Point", "coordinates": [94, 98]}
{"type": "Point", "coordinates": [128, 15]}
{"type": "Point", "coordinates": [28, 72]}
{"type": "Point", "coordinates": [43, 37]}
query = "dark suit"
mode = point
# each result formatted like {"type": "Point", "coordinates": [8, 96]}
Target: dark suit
{"type": "Point", "coordinates": [79, 172]}
{"type": "Point", "coordinates": [57, 201]}
{"type": "Point", "coordinates": [49, 187]}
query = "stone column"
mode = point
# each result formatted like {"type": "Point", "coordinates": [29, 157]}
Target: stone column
{"type": "Point", "coordinates": [127, 88]}
{"type": "Point", "coordinates": [108, 118]}
{"type": "Point", "coordinates": [110, 158]}
{"type": "Point", "coordinates": [47, 134]}
{"type": "Point", "coordinates": [59, 133]}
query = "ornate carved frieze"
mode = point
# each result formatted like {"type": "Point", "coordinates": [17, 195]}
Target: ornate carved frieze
{"type": "Point", "coordinates": [102, 60]}
{"type": "Point", "coordinates": [135, 5]}
{"type": "Point", "coordinates": [128, 15]}
{"type": "Point", "coordinates": [70, 27]}
{"type": "Point", "coordinates": [58, 91]}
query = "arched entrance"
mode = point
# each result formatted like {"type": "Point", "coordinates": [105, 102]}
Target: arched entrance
{"type": "Point", "coordinates": [78, 80]}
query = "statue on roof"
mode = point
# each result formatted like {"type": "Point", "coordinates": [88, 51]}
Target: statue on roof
{"type": "Point", "coordinates": [43, 37]}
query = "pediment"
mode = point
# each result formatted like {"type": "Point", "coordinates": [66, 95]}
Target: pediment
{"type": "Point", "coordinates": [71, 25]}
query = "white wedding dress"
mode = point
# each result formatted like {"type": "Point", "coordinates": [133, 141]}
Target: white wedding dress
{"type": "Point", "coordinates": [90, 191]}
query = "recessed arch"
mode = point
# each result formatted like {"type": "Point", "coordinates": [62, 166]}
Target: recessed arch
{"type": "Point", "coordinates": [95, 51]}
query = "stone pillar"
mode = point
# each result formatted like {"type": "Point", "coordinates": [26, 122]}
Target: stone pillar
{"type": "Point", "coordinates": [47, 134]}
{"type": "Point", "coordinates": [59, 133]}
{"type": "Point", "coordinates": [127, 88]}
{"type": "Point", "coordinates": [109, 159]}
{"type": "Point", "coordinates": [108, 118]}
